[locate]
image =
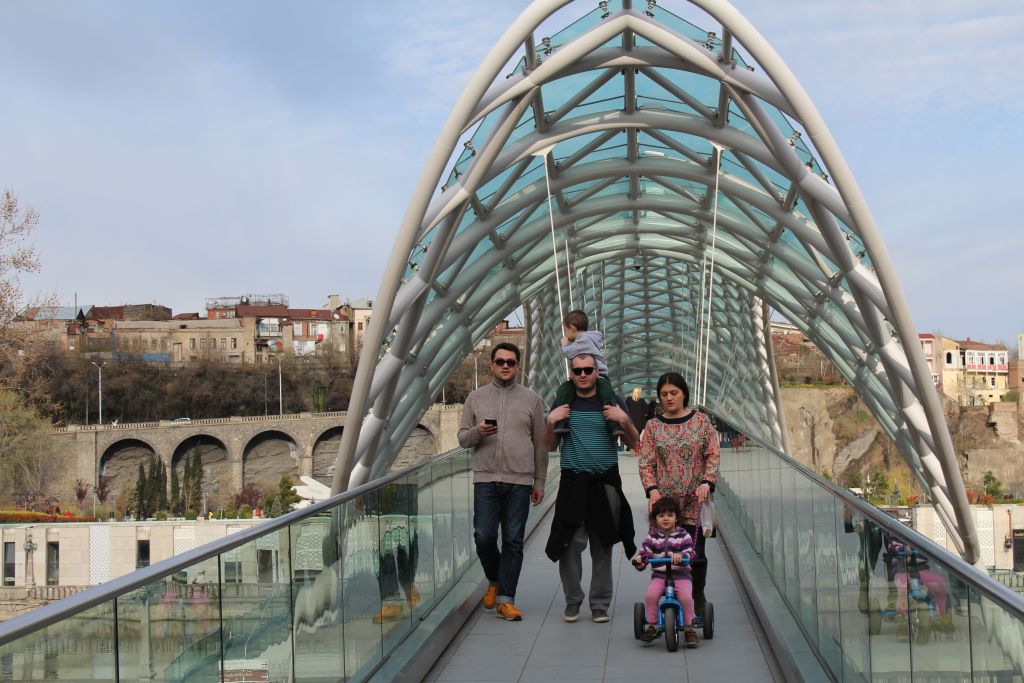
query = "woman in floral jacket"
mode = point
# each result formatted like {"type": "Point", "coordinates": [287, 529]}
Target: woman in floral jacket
{"type": "Point", "coordinates": [679, 457]}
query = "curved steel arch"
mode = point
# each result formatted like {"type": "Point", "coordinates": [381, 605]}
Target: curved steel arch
{"type": "Point", "coordinates": [667, 149]}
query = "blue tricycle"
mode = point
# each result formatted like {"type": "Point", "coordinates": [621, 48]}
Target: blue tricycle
{"type": "Point", "coordinates": [670, 611]}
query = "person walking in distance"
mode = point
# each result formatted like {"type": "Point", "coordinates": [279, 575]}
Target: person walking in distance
{"type": "Point", "coordinates": [590, 508]}
{"type": "Point", "coordinates": [504, 423]}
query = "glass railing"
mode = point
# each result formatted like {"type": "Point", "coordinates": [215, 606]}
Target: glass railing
{"type": "Point", "coordinates": [1009, 578]}
{"type": "Point", "coordinates": [875, 599]}
{"type": "Point", "coordinates": [322, 593]}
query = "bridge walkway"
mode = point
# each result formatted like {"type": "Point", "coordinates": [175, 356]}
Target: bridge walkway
{"type": "Point", "coordinates": [544, 647]}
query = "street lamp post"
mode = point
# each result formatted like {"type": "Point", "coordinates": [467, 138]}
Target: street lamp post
{"type": "Point", "coordinates": [30, 548]}
{"type": "Point", "coordinates": [99, 368]}
{"type": "Point", "coordinates": [280, 390]}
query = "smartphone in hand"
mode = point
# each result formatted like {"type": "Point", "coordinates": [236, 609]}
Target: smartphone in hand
{"type": "Point", "coordinates": [490, 421]}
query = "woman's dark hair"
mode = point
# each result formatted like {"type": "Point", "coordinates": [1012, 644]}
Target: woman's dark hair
{"type": "Point", "coordinates": [676, 380]}
{"type": "Point", "coordinates": [665, 504]}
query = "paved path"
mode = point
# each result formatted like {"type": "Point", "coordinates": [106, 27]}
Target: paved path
{"type": "Point", "coordinates": [543, 647]}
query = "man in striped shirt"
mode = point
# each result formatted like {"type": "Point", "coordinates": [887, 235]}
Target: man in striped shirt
{"type": "Point", "coordinates": [590, 508]}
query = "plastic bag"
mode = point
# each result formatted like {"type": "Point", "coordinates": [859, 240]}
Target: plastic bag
{"type": "Point", "coordinates": [707, 517]}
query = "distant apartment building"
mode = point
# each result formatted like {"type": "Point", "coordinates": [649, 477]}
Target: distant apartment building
{"type": "Point", "coordinates": [952, 370]}
{"type": "Point", "coordinates": [985, 371]}
{"type": "Point", "coordinates": [777, 327]}
{"type": "Point", "coordinates": [129, 312]}
{"type": "Point", "coordinates": [50, 323]}
{"type": "Point", "coordinates": [967, 372]}
{"type": "Point", "coordinates": [355, 318]}
{"type": "Point", "coordinates": [316, 330]}
{"type": "Point", "coordinates": [251, 328]}
{"type": "Point", "coordinates": [932, 349]}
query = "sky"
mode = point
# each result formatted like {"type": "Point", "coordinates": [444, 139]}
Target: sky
{"type": "Point", "coordinates": [182, 150]}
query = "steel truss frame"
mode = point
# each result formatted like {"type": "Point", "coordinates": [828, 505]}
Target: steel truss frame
{"type": "Point", "coordinates": [633, 179]}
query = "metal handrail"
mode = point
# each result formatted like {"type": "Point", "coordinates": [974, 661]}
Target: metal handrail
{"type": "Point", "coordinates": [992, 589]}
{"type": "Point", "coordinates": [48, 615]}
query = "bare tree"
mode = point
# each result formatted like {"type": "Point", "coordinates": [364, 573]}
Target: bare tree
{"type": "Point", "coordinates": [26, 459]}
{"type": "Point", "coordinates": [17, 255]}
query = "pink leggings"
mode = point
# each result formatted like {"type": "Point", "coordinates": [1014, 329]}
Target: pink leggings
{"type": "Point", "coordinates": [655, 589]}
{"type": "Point", "coordinates": [933, 583]}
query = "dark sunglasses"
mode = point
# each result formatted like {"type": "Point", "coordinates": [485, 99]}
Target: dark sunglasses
{"type": "Point", "coordinates": [583, 371]}
{"type": "Point", "coordinates": [510, 362]}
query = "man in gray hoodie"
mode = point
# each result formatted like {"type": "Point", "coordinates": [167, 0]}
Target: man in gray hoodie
{"type": "Point", "coordinates": [504, 423]}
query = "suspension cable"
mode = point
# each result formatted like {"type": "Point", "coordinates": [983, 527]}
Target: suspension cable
{"type": "Point", "coordinates": [554, 243]}
{"type": "Point", "coordinates": [568, 269]}
{"type": "Point", "coordinates": [711, 281]}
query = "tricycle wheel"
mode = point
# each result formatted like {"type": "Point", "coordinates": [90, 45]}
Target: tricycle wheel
{"type": "Point", "coordinates": [671, 629]}
{"type": "Point", "coordinates": [709, 621]}
{"type": "Point", "coordinates": [639, 617]}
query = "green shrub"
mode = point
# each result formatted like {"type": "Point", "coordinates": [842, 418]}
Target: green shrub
{"type": "Point", "coordinates": [160, 516]}
{"type": "Point", "coordinates": [245, 512]}
{"type": "Point", "coordinates": [191, 514]}
{"type": "Point", "coordinates": [230, 512]}
{"type": "Point", "coordinates": [851, 424]}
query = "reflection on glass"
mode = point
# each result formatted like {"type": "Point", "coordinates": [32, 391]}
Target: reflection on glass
{"type": "Point", "coordinates": [940, 642]}
{"type": "Point", "coordinates": [462, 506]}
{"type": "Point", "coordinates": [826, 577]}
{"type": "Point", "coordinates": [309, 602]}
{"type": "Point", "coordinates": [857, 551]}
{"type": "Point", "coordinates": [444, 543]}
{"type": "Point", "coordinates": [256, 610]}
{"type": "Point", "coordinates": [361, 544]}
{"type": "Point", "coordinates": [997, 640]}
{"type": "Point", "coordinates": [79, 648]}
{"type": "Point", "coordinates": [318, 592]}
{"type": "Point", "coordinates": [425, 533]}
{"type": "Point", "coordinates": [804, 534]}
{"type": "Point", "coordinates": [398, 552]}
{"type": "Point", "coordinates": [170, 629]}
{"type": "Point", "coordinates": [875, 607]}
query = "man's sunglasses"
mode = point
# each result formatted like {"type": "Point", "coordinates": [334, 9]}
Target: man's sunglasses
{"type": "Point", "coordinates": [583, 371]}
{"type": "Point", "coordinates": [509, 362]}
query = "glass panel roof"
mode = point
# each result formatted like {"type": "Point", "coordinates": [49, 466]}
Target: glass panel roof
{"type": "Point", "coordinates": [675, 272]}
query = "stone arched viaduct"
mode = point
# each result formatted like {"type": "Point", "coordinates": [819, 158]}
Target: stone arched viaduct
{"type": "Point", "coordinates": [85, 446]}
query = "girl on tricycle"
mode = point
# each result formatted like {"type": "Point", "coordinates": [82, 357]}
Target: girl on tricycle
{"type": "Point", "coordinates": [669, 550]}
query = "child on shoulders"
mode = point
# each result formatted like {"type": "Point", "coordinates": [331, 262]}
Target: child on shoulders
{"type": "Point", "coordinates": [578, 340]}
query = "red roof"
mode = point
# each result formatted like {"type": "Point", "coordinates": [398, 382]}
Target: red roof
{"type": "Point", "coordinates": [247, 311]}
{"type": "Point", "coordinates": [980, 346]}
{"type": "Point", "coordinates": [187, 316]}
{"type": "Point", "coordinates": [310, 314]}
{"type": "Point", "coordinates": [107, 313]}
{"type": "Point", "coordinates": [926, 335]}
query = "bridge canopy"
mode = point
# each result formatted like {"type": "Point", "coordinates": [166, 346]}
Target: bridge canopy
{"type": "Point", "coordinates": [658, 166]}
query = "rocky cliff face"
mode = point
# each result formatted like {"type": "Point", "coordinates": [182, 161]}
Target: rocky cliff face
{"type": "Point", "coordinates": [831, 431]}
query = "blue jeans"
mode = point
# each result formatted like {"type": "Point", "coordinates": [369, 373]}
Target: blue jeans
{"type": "Point", "coordinates": [508, 505]}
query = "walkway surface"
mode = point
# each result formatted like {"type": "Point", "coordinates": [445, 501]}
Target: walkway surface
{"type": "Point", "coordinates": [543, 647]}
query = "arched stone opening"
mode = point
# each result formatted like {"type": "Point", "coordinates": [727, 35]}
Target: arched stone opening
{"type": "Point", "coordinates": [218, 487]}
{"type": "Point", "coordinates": [120, 463]}
{"type": "Point", "coordinates": [325, 454]}
{"type": "Point", "coordinates": [419, 446]}
{"type": "Point", "coordinates": [267, 457]}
